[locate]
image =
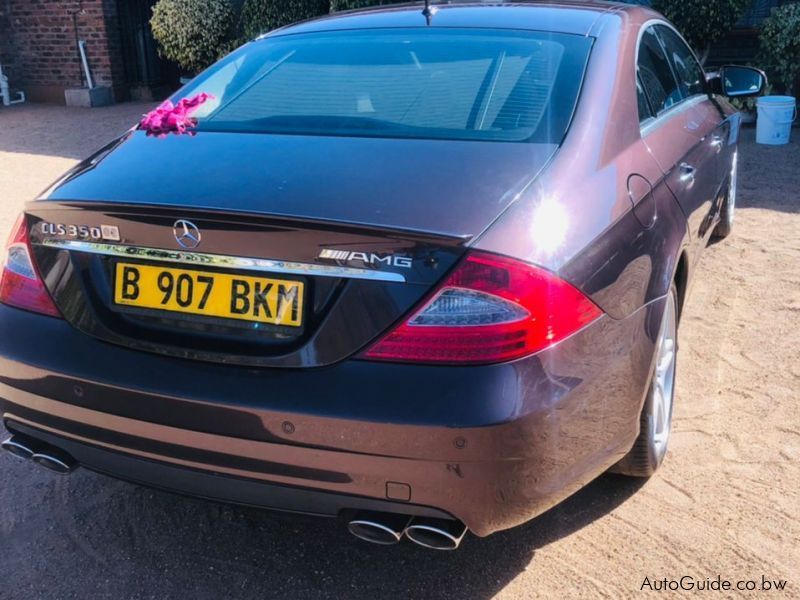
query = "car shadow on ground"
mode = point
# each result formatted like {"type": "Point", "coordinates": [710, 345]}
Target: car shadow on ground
{"type": "Point", "coordinates": [331, 558]}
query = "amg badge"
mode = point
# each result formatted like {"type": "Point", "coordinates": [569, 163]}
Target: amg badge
{"type": "Point", "coordinates": [368, 258]}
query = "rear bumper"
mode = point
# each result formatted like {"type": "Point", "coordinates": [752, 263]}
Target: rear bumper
{"type": "Point", "coordinates": [215, 486]}
{"type": "Point", "coordinates": [492, 446]}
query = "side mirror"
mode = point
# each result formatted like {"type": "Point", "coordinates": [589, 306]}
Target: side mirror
{"type": "Point", "coordinates": [740, 82]}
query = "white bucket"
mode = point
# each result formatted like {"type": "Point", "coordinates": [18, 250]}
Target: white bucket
{"type": "Point", "coordinates": [775, 117]}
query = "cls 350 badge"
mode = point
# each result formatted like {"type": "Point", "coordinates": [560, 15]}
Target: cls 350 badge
{"type": "Point", "coordinates": [109, 233]}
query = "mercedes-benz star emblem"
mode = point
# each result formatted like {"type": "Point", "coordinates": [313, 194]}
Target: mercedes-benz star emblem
{"type": "Point", "coordinates": [186, 234]}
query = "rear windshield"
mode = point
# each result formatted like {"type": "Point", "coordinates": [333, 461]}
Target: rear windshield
{"type": "Point", "coordinates": [413, 83]}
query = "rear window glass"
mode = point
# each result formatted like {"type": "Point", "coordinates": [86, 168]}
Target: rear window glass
{"type": "Point", "coordinates": [417, 83]}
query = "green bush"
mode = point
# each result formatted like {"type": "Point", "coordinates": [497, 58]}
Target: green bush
{"type": "Point", "coordinates": [340, 5]}
{"type": "Point", "coordinates": [780, 44]}
{"type": "Point", "coordinates": [260, 16]}
{"type": "Point", "coordinates": [703, 22]}
{"type": "Point", "coordinates": [193, 33]}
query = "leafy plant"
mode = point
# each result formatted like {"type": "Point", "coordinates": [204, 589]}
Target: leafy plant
{"type": "Point", "coordinates": [339, 5]}
{"type": "Point", "coordinates": [703, 22]}
{"type": "Point", "coordinates": [193, 33]}
{"type": "Point", "coordinates": [260, 16]}
{"type": "Point", "coordinates": [780, 44]}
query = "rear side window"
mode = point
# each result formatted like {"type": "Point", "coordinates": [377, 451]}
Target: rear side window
{"type": "Point", "coordinates": [691, 78]}
{"type": "Point", "coordinates": [655, 74]}
{"type": "Point", "coordinates": [644, 107]}
{"type": "Point", "coordinates": [417, 83]}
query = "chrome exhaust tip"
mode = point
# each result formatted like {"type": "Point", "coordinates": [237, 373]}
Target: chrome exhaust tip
{"type": "Point", "coordinates": [379, 528]}
{"type": "Point", "coordinates": [20, 446]}
{"type": "Point", "coordinates": [55, 460]}
{"type": "Point", "coordinates": [437, 534]}
{"type": "Point", "coordinates": [46, 456]}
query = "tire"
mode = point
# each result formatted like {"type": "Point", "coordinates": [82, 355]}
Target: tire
{"type": "Point", "coordinates": [655, 421]}
{"type": "Point", "coordinates": [726, 213]}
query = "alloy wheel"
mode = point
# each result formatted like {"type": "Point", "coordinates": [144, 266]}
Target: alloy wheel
{"type": "Point", "coordinates": [662, 389]}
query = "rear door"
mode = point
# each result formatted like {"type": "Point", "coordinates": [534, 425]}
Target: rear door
{"type": "Point", "coordinates": [684, 135]}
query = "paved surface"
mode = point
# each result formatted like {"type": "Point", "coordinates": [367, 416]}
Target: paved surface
{"type": "Point", "coordinates": [726, 503]}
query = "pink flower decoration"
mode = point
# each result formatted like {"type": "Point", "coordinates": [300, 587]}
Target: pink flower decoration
{"type": "Point", "coordinates": [173, 118]}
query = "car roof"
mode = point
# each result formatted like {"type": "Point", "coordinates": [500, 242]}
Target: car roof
{"type": "Point", "coordinates": [564, 16]}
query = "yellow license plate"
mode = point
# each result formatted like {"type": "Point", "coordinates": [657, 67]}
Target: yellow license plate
{"type": "Point", "coordinates": [259, 299]}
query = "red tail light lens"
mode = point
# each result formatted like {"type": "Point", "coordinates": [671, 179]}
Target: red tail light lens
{"type": "Point", "coordinates": [20, 283]}
{"type": "Point", "coordinates": [490, 309]}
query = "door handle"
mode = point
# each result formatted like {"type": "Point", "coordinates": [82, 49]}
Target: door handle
{"type": "Point", "coordinates": [687, 173]}
{"type": "Point", "coordinates": [717, 141]}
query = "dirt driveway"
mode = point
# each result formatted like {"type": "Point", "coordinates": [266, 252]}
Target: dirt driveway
{"type": "Point", "coordinates": [727, 501]}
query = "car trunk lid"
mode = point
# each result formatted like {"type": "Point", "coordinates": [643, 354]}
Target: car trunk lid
{"type": "Point", "coordinates": [455, 188]}
{"type": "Point", "coordinates": [361, 228]}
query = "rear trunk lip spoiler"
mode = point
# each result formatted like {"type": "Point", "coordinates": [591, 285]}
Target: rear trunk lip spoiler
{"type": "Point", "coordinates": [35, 208]}
{"type": "Point", "coordinates": [223, 261]}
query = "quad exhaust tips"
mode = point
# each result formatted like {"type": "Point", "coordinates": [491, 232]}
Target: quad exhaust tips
{"type": "Point", "coordinates": [388, 528]}
{"type": "Point", "coordinates": [42, 454]}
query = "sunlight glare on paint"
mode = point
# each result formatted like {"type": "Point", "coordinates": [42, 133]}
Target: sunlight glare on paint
{"type": "Point", "coordinates": [549, 226]}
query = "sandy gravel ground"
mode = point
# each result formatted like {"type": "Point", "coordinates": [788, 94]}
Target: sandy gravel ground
{"type": "Point", "coordinates": [727, 501]}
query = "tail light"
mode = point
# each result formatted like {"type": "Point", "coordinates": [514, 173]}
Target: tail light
{"type": "Point", "coordinates": [20, 283]}
{"type": "Point", "coordinates": [490, 309]}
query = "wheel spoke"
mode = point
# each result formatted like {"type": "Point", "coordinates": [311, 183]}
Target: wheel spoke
{"type": "Point", "coordinates": [660, 412]}
{"type": "Point", "coordinates": [659, 390]}
{"type": "Point", "coordinates": [665, 362]}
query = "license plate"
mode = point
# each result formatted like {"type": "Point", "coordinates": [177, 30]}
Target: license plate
{"type": "Point", "coordinates": [259, 299]}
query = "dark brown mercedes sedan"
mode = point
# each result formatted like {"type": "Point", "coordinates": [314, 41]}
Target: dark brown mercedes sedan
{"type": "Point", "coordinates": [418, 267]}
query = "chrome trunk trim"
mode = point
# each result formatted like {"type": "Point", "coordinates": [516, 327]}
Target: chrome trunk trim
{"type": "Point", "coordinates": [221, 261]}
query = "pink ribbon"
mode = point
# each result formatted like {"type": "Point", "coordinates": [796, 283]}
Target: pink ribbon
{"type": "Point", "coordinates": [173, 118]}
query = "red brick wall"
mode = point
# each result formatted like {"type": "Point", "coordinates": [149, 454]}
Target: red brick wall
{"type": "Point", "coordinates": [37, 43]}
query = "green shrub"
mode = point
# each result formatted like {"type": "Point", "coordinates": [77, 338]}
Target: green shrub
{"type": "Point", "coordinates": [780, 44]}
{"type": "Point", "coordinates": [193, 33]}
{"type": "Point", "coordinates": [339, 5]}
{"type": "Point", "coordinates": [703, 22]}
{"type": "Point", "coordinates": [260, 16]}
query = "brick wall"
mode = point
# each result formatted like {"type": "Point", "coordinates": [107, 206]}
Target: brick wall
{"type": "Point", "coordinates": [5, 42]}
{"type": "Point", "coordinates": [37, 45]}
